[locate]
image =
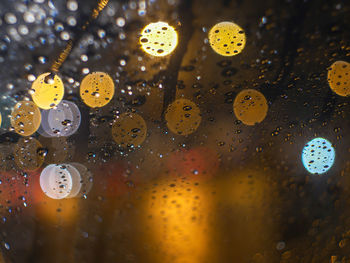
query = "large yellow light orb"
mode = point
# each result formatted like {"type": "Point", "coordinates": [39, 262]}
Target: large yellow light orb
{"type": "Point", "coordinates": [227, 39]}
{"type": "Point", "coordinates": [158, 39]}
{"type": "Point", "coordinates": [47, 92]}
{"type": "Point", "coordinates": [25, 118]}
{"type": "Point", "coordinates": [250, 106]}
{"type": "Point", "coordinates": [129, 130]}
{"type": "Point", "coordinates": [97, 89]}
{"type": "Point", "coordinates": [339, 78]}
{"type": "Point", "coordinates": [183, 117]}
{"type": "Point", "coordinates": [29, 154]}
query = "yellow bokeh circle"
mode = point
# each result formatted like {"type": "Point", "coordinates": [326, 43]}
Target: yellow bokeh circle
{"type": "Point", "coordinates": [158, 39]}
{"type": "Point", "coordinates": [47, 92]}
{"type": "Point", "coordinates": [250, 106]}
{"type": "Point", "coordinates": [129, 129]}
{"type": "Point", "coordinates": [25, 118]}
{"type": "Point", "coordinates": [97, 89]}
{"type": "Point", "coordinates": [183, 117]}
{"type": "Point", "coordinates": [29, 154]}
{"type": "Point", "coordinates": [339, 78]}
{"type": "Point", "coordinates": [0, 119]}
{"type": "Point", "coordinates": [227, 39]}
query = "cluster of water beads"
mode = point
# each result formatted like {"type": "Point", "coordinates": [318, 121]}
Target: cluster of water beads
{"type": "Point", "coordinates": [226, 39]}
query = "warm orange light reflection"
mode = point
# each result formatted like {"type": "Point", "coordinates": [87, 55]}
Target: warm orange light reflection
{"type": "Point", "coordinates": [129, 129]}
{"type": "Point", "coordinates": [250, 106]}
{"type": "Point", "coordinates": [25, 118]}
{"type": "Point", "coordinates": [97, 89]}
{"type": "Point", "coordinates": [183, 117]}
{"type": "Point", "coordinates": [248, 195]}
{"type": "Point", "coordinates": [178, 221]}
{"type": "Point", "coordinates": [339, 78]}
{"type": "Point", "coordinates": [28, 154]}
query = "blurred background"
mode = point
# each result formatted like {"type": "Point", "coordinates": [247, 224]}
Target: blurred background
{"type": "Point", "coordinates": [157, 184]}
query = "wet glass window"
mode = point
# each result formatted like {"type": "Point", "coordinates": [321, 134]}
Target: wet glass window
{"type": "Point", "coordinates": [177, 131]}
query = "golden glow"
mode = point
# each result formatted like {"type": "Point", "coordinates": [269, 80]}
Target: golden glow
{"type": "Point", "coordinates": [0, 119]}
{"type": "Point", "coordinates": [28, 154]}
{"type": "Point", "coordinates": [178, 221]}
{"type": "Point", "coordinates": [58, 211]}
{"type": "Point", "coordinates": [25, 118]}
{"type": "Point", "coordinates": [339, 78]}
{"type": "Point", "coordinates": [46, 92]}
{"type": "Point", "coordinates": [158, 39]}
{"type": "Point", "coordinates": [97, 89]}
{"type": "Point", "coordinates": [248, 195]}
{"type": "Point", "coordinates": [227, 39]}
{"type": "Point", "coordinates": [129, 130]}
{"type": "Point", "coordinates": [250, 106]}
{"type": "Point", "coordinates": [183, 117]}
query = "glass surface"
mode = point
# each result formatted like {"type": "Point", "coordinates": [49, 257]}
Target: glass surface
{"type": "Point", "coordinates": [184, 131]}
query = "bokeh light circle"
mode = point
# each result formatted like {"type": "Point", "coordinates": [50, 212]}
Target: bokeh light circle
{"type": "Point", "coordinates": [250, 106]}
{"type": "Point", "coordinates": [129, 130]}
{"type": "Point", "coordinates": [29, 154]}
{"type": "Point", "coordinates": [47, 92]}
{"type": "Point", "coordinates": [183, 117]}
{"type": "Point", "coordinates": [97, 89]}
{"type": "Point", "coordinates": [158, 39]}
{"type": "Point", "coordinates": [56, 181]}
{"type": "Point", "coordinates": [227, 38]}
{"type": "Point", "coordinates": [339, 78]}
{"type": "Point", "coordinates": [25, 118]}
{"type": "Point", "coordinates": [64, 120]}
{"type": "Point", "coordinates": [76, 180]}
{"type": "Point", "coordinates": [86, 178]}
{"type": "Point", "coordinates": [318, 156]}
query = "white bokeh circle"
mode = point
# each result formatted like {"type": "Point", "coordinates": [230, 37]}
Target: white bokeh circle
{"type": "Point", "coordinates": [318, 156]}
{"type": "Point", "coordinates": [86, 178]}
{"type": "Point", "coordinates": [56, 181]}
{"type": "Point", "coordinates": [76, 180]}
{"type": "Point", "coordinates": [64, 120]}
